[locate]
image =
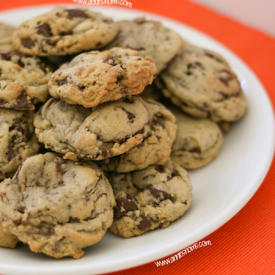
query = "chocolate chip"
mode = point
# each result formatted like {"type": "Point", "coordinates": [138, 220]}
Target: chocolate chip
{"type": "Point", "coordinates": [214, 57]}
{"type": "Point", "coordinates": [160, 169]}
{"type": "Point", "coordinates": [27, 43]}
{"type": "Point", "coordinates": [126, 203]}
{"type": "Point", "coordinates": [140, 131]}
{"type": "Point", "coordinates": [0, 72]}
{"type": "Point", "coordinates": [105, 153]}
{"type": "Point", "coordinates": [66, 33]}
{"type": "Point", "coordinates": [76, 13]}
{"type": "Point", "coordinates": [22, 101]}
{"type": "Point", "coordinates": [112, 60]}
{"type": "Point", "coordinates": [144, 223]}
{"type": "Point", "coordinates": [225, 80]}
{"type": "Point", "coordinates": [44, 29]}
{"type": "Point", "coordinates": [129, 115]}
{"type": "Point", "coordinates": [162, 195]}
{"type": "Point", "coordinates": [120, 76]}
{"type": "Point", "coordinates": [59, 169]}
{"type": "Point", "coordinates": [205, 105]}
{"type": "Point", "coordinates": [8, 56]}
{"type": "Point", "coordinates": [195, 150]}
{"type": "Point", "coordinates": [61, 82]}
{"type": "Point", "coordinates": [175, 173]}
{"type": "Point", "coordinates": [16, 223]}
{"type": "Point", "coordinates": [10, 155]}
{"type": "Point", "coordinates": [127, 100]}
{"type": "Point", "coordinates": [81, 87]}
{"type": "Point", "coordinates": [60, 183]}
{"type": "Point", "coordinates": [99, 45]}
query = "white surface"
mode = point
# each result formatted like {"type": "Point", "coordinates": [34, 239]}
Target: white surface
{"type": "Point", "coordinates": [221, 188]}
{"type": "Point", "coordinates": [259, 14]}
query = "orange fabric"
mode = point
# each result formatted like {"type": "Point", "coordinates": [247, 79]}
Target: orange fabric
{"type": "Point", "coordinates": [246, 243]}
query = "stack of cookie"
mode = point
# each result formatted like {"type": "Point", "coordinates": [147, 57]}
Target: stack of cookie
{"type": "Point", "coordinates": [60, 201]}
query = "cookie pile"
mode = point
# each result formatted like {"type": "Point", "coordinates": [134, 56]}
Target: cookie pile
{"type": "Point", "coordinates": [79, 87]}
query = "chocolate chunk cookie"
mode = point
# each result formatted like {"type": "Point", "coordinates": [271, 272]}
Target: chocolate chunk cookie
{"type": "Point", "coordinates": [23, 81]}
{"type": "Point", "coordinates": [62, 31]}
{"type": "Point", "coordinates": [55, 206]}
{"type": "Point", "coordinates": [17, 140]}
{"type": "Point", "coordinates": [149, 37]}
{"type": "Point", "coordinates": [96, 77]}
{"type": "Point", "coordinates": [109, 129]}
{"type": "Point", "coordinates": [202, 84]}
{"type": "Point", "coordinates": [198, 141]}
{"type": "Point", "coordinates": [6, 239]}
{"type": "Point", "coordinates": [149, 199]}
{"type": "Point", "coordinates": [5, 37]}
{"type": "Point", "coordinates": [155, 148]}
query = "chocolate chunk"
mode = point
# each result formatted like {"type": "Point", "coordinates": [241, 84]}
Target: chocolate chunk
{"type": "Point", "coordinates": [16, 223]}
{"type": "Point", "coordinates": [22, 101]}
{"type": "Point", "coordinates": [65, 33]}
{"type": "Point", "coordinates": [61, 82]}
{"type": "Point", "coordinates": [120, 76]}
{"type": "Point", "coordinates": [160, 169]}
{"type": "Point", "coordinates": [99, 44]}
{"type": "Point", "coordinates": [10, 155]}
{"type": "Point", "coordinates": [140, 131]}
{"type": "Point", "coordinates": [195, 150]}
{"type": "Point", "coordinates": [225, 80]}
{"type": "Point", "coordinates": [76, 13]}
{"type": "Point", "coordinates": [27, 43]}
{"type": "Point", "coordinates": [59, 169]}
{"type": "Point", "coordinates": [105, 153]}
{"type": "Point", "coordinates": [60, 183]}
{"type": "Point", "coordinates": [8, 56]}
{"type": "Point", "coordinates": [81, 87]}
{"type": "Point", "coordinates": [126, 203]}
{"type": "Point", "coordinates": [44, 29]}
{"type": "Point", "coordinates": [162, 195]}
{"type": "Point", "coordinates": [175, 173]}
{"type": "Point", "coordinates": [130, 115]}
{"type": "Point", "coordinates": [144, 223]}
{"type": "Point", "coordinates": [112, 60]}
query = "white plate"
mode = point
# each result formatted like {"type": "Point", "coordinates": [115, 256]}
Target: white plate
{"type": "Point", "coordinates": [221, 188]}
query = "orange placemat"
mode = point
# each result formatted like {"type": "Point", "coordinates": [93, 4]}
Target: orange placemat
{"type": "Point", "coordinates": [246, 243]}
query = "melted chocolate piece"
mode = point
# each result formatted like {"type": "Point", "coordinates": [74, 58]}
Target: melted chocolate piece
{"type": "Point", "coordinates": [99, 44]}
{"type": "Point", "coordinates": [195, 150]}
{"type": "Point", "coordinates": [160, 169]}
{"type": "Point", "coordinates": [112, 60]}
{"type": "Point", "coordinates": [120, 76]}
{"type": "Point", "coordinates": [144, 223]}
{"type": "Point", "coordinates": [61, 82]}
{"type": "Point", "coordinates": [59, 169]}
{"type": "Point", "coordinates": [65, 33]}
{"type": "Point", "coordinates": [21, 208]}
{"type": "Point", "coordinates": [44, 29]}
{"type": "Point", "coordinates": [76, 13]}
{"type": "Point", "coordinates": [22, 101]}
{"type": "Point", "coordinates": [10, 155]}
{"type": "Point", "coordinates": [130, 115]}
{"type": "Point", "coordinates": [140, 131]}
{"type": "Point", "coordinates": [162, 195]}
{"type": "Point", "coordinates": [105, 153]}
{"type": "Point", "coordinates": [81, 87]}
{"type": "Point", "coordinates": [27, 43]}
{"type": "Point", "coordinates": [126, 203]}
